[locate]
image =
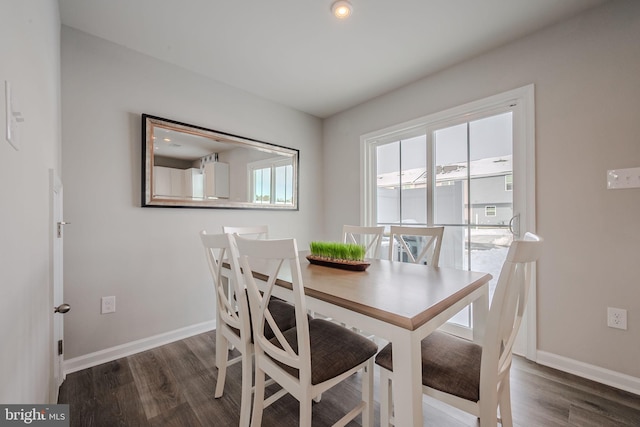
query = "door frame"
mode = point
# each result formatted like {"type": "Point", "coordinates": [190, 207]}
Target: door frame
{"type": "Point", "coordinates": [57, 319]}
{"type": "Point", "coordinates": [522, 102]}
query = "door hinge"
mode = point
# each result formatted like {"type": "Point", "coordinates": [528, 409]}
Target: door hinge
{"type": "Point", "coordinates": [60, 348]}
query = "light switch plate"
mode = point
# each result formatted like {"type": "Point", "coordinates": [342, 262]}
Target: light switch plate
{"type": "Point", "coordinates": [623, 178]}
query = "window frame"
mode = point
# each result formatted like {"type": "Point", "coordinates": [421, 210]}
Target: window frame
{"type": "Point", "coordinates": [489, 208]}
{"type": "Point", "coordinates": [272, 164]}
{"type": "Point", "coordinates": [520, 100]}
{"type": "Point", "coordinates": [508, 183]}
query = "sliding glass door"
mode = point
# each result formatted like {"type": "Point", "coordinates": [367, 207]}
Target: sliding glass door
{"type": "Point", "coordinates": [469, 169]}
{"type": "Point", "coordinates": [473, 195]}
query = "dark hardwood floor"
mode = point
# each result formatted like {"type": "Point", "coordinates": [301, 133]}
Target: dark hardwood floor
{"type": "Point", "coordinates": [173, 385]}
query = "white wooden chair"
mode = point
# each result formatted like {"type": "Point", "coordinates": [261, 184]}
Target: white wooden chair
{"type": "Point", "coordinates": [469, 376]}
{"type": "Point", "coordinates": [371, 237]}
{"type": "Point", "coordinates": [255, 231]}
{"type": "Point", "coordinates": [248, 231]}
{"type": "Point", "coordinates": [428, 239]}
{"type": "Point", "coordinates": [233, 321]}
{"type": "Point", "coordinates": [310, 358]}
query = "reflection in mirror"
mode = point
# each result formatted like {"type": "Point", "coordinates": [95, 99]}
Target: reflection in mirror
{"type": "Point", "coordinates": [190, 166]}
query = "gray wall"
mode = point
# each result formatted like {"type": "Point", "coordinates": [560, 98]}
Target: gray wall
{"type": "Point", "coordinates": [151, 258]}
{"type": "Point", "coordinates": [30, 61]}
{"type": "Point", "coordinates": [587, 89]}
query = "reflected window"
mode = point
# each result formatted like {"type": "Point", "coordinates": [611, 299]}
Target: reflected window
{"type": "Point", "coordinates": [271, 181]}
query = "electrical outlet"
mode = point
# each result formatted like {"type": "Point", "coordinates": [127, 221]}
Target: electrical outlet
{"type": "Point", "coordinates": [617, 318]}
{"type": "Point", "coordinates": [108, 305]}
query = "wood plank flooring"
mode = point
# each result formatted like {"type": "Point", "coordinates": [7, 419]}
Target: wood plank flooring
{"type": "Point", "coordinates": [173, 385]}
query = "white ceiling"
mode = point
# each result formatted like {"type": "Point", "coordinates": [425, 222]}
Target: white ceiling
{"type": "Point", "coordinates": [296, 53]}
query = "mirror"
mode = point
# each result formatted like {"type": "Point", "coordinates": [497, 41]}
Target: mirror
{"type": "Point", "coordinates": [190, 166]}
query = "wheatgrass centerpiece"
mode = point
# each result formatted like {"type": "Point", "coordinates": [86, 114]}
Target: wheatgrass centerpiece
{"type": "Point", "coordinates": [346, 256]}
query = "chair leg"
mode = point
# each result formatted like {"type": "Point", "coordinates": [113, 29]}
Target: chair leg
{"type": "Point", "coordinates": [385, 398]}
{"type": "Point", "coordinates": [504, 399]}
{"type": "Point", "coordinates": [230, 297]}
{"type": "Point", "coordinates": [305, 410]}
{"type": "Point", "coordinates": [489, 410]}
{"type": "Point", "coordinates": [367, 394]}
{"type": "Point", "coordinates": [258, 398]}
{"type": "Point", "coordinates": [222, 350]}
{"type": "Point", "coordinates": [247, 383]}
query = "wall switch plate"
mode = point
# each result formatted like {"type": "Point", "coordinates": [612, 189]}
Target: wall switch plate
{"type": "Point", "coordinates": [617, 318]}
{"type": "Point", "coordinates": [108, 305]}
{"type": "Point", "coordinates": [623, 178]}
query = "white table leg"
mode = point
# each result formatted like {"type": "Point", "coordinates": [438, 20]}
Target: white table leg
{"type": "Point", "coordinates": [407, 379]}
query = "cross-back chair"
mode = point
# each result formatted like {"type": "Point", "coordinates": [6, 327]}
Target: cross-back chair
{"type": "Point", "coordinates": [312, 357]}
{"type": "Point", "coordinates": [233, 318]}
{"type": "Point", "coordinates": [475, 377]}
{"type": "Point", "coordinates": [370, 237]}
{"type": "Point", "coordinates": [427, 241]}
{"type": "Point", "coordinates": [255, 231]}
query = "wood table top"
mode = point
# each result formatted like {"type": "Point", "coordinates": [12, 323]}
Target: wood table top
{"type": "Point", "coordinates": [403, 294]}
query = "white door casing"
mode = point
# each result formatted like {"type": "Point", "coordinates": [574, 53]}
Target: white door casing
{"type": "Point", "coordinates": [57, 322]}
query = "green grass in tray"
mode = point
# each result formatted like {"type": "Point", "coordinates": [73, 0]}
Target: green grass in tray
{"type": "Point", "coordinates": [347, 251]}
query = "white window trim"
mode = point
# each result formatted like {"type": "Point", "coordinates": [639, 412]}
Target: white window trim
{"type": "Point", "coordinates": [523, 128]}
{"type": "Point", "coordinates": [271, 163]}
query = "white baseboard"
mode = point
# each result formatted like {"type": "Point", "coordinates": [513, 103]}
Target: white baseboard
{"type": "Point", "coordinates": [123, 350]}
{"type": "Point", "coordinates": [591, 372]}
{"type": "Point", "coordinates": [575, 367]}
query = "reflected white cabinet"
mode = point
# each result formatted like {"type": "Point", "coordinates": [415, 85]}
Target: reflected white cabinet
{"type": "Point", "coordinates": [180, 183]}
{"type": "Point", "coordinates": [168, 182]}
{"type": "Point", "coordinates": [193, 183]}
{"type": "Point", "coordinates": [216, 180]}
{"type": "Point", "coordinates": [161, 181]}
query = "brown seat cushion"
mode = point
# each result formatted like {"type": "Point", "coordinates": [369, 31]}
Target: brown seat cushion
{"type": "Point", "coordinates": [283, 313]}
{"type": "Point", "coordinates": [334, 349]}
{"type": "Point", "coordinates": [449, 364]}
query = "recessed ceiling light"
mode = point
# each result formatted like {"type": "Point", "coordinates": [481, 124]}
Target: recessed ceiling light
{"type": "Point", "coordinates": [341, 9]}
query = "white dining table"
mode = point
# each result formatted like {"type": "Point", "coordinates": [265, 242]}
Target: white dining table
{"type": "Point", "coordinates": [399, 302]}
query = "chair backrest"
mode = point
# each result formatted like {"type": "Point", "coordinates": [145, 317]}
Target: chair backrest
{"type": "Point", "coordinates": [255, 231]}
{"type": "Point", "coordinates": [233, 309]}
{"type": "Point", "coordinates": [427, 242]}
{"type": "Point", "coordinates": [508, 304]}
{"type": "Point", "coordinates": [268, 258]}
{"type": "Point", "coordinates": [370, 237]}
